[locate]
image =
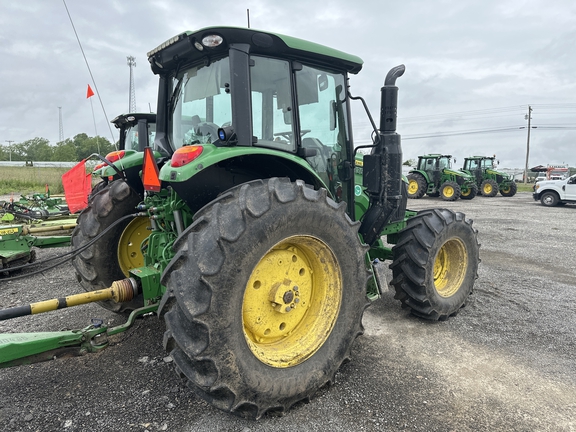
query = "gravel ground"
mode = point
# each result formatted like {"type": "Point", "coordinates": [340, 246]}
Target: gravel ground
{"type": "Point", "coordinates": [505, 363]}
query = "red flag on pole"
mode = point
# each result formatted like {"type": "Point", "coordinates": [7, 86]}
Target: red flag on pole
{"type": "Point", "coordinates": [89, 92]}
{"type": "Point", "coordinates": [77, 187]}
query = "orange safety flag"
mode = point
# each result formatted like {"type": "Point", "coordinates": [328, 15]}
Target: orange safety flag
{"type": "Point", "coordinates": [77, 186]}
{"type": "Point", "coordinates": [89, 92]}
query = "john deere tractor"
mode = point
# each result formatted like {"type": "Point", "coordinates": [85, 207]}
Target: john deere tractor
{"type": "Point", "coordinates": [137, 131]}
{"type": "Point", "coordinates": [488, 179]}
{"type": "Point", "coordinates": [261, 247]}
{"type": "Point", "coordinates": [434, 176]}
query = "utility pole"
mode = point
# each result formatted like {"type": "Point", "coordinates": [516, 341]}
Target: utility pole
{"type": "Point", "coordinates": [10, 148]}
{"type": "Point", "coordinates": [60, 126]}
{"type": "Point", "coordinates": [527, 117]}
{"type": "Point", "coordinates": [131, 61]}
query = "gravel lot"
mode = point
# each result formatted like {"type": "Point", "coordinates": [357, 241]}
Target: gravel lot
{"type": "Point", "coordinates": [506, 362]}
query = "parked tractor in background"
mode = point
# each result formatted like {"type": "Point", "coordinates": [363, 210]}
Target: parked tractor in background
{"type": "Point", "coordinates": [488, 179]}
{"type": "Point", "coordinates": [435, 176]}
{"type": "Point", "coordinates": [137, 131]}
{"type": "Point", "coordinates": [261, 249]}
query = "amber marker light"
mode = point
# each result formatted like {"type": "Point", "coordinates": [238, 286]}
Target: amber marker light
{"type": "Point", "coordinates": [115, 155]}
{"type": "Point", "coordinates": [185, 155]}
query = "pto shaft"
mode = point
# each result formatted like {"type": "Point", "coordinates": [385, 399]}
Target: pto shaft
{"type": "Point", "coordinates": [121, 291]}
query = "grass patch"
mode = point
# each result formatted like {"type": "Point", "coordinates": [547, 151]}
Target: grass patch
{"type": "Point", "coordinates": [26, 180]}
{"type": "Point", "coordinates": [528, 187]}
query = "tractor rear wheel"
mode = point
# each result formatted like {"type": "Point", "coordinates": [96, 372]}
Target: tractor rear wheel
{"type": "Point", "coordinates": [265, 296]}
{"type": "Point", "coordinates": [489, 188]}
{"type": "Point", "coordinates": [435, 263]}
{"type": "Point", "coordinates": [118, 250]}
{"type": "Point", "coordinates": [470, 192]}
{"type": "Point", "coordinates": [509, 189]}
{"type": "Point", "coordinates": [417, 186]}
{"type": "Point", "coordinates": [450, 191]}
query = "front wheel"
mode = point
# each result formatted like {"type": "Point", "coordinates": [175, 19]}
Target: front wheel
{"type": "Point", "coordinates": [265, 296]}
{"type": "Point", "coordinates": [435, 263]}
{"type": "Point", "coordinates": [509, 189]}
{"type": "Point", "coordinates": [450, 191]}
{"type": "Point", "coordinates": [470, 192]}
{"type": "Point", "coordinates": [549, 199]}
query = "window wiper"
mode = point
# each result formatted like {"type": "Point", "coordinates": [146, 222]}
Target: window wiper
{"type": "Point", "coordinates": [175, 96]}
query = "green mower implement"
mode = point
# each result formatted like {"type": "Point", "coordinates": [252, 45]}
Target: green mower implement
{"type": "Point", "coordinates": [252, 240]}
{"type": "Point", "coordinates": [488, 179]}
{"type": "Point", "coordinates": [435, 176]}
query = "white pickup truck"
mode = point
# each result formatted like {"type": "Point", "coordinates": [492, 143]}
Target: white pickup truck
{"type": "Point", "coordinates": [554, 192]}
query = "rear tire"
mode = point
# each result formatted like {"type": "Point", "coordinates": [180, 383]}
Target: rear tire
{"type": "Point", "coordinates": [435, 263]}
{"type": "Point", "coordinates": [99, 265]}
{"type": "Point", "coordinates": [509, 190]}
{"type": "Point", "coordinates": [417, 186]}
{"type": "Point", "coordinates": [249, 256]}
{"type": "Point", "coordinates": [450, 191]}
{"type": "Point", "coordinates": [489, 188]}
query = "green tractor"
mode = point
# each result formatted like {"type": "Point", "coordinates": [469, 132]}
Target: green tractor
{"type": "Point", "coordinates": [262, 248]}
{"type": "Point", "coordinates": [488, 179]}
{"type": "Point", "coordinates": [137, 131]}
{"type": "Point", "coordinates": [434, 176]}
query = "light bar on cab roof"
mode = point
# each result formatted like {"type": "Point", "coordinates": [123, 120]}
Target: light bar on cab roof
{"type": "Point", "coordinates": [169, 42]}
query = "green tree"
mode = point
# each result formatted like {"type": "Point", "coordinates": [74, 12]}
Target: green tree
{"type": "Point", "coordinates": [86, 145]}
{"type": "Point", "coordinates": [38, 149]}
{"type": "Point", "coordinates": [65, 151]}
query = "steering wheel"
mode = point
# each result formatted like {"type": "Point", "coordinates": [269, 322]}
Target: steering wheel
{"type": "Point", "coordinates": [288, 134]}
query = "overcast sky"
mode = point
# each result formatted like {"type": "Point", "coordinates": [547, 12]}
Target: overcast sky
{"type": "Point", "coordinates": [472, 67]}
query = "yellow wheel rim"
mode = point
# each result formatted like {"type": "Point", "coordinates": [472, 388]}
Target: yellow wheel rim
{"type": "Point", "coordinates": [292, 301]}
{"type": "Point", "coordinates": [129, 253]}
{"type": "Point", "coordinates": [448, 191]}
{"type": "Point", "coordinates": [412, 186]}
{"type": "Point", "coordinates": [450, 267]}
{"type": "Point", "coordinates": [487, 189]}
{"type": "Point", "coordinates": [466, 192]}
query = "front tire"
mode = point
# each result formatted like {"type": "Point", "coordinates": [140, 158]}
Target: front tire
{"type": "Point", "coordinates": [509, 189]}
{"type": "Point", "coordinates": [549, 199]}
{"type": "Point", "coordinates": [265, 296]}
{"type": "Point", "coordinates": [435, 263]}
{"type": "Point", "coordinates": [450, 191]}
{"type": "Point", "coordinates": [470, 192]}
{"type": "Point", "coordinates": [110, 257]}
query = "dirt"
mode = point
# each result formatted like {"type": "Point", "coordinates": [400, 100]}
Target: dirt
{"type": "Point", "coordinates": [505, 363]}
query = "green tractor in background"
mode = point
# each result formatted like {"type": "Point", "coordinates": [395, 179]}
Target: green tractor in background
{"type": "Point", "coordinates": [261, 247]}
{"type": "Point", "coordinates": [434, 176]}
{"type": "Point", "coordinates": [488, 179]}
{"type": "Point", "coordinates": [137, 131]}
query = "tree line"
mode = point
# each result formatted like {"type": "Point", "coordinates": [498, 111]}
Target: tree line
{"type": "Point", "coordinates": [69, 150]}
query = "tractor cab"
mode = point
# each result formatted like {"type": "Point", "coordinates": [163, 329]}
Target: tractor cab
{"type": "Point", "coordinates": [244, 104]}
{"type": "Point", "coordinates": [131, 126]}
